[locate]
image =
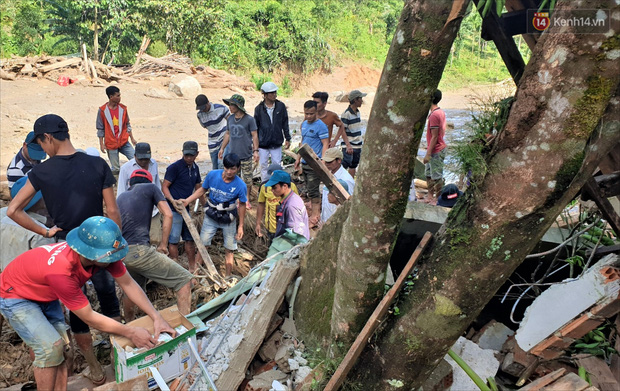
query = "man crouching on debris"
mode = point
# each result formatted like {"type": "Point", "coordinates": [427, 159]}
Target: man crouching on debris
{"type": "Point", "coordinates": [225, 189]}
{"type": "Point", "coordinates": [34, 284]}
{"type": "Point", "coordinates": [144, 261]}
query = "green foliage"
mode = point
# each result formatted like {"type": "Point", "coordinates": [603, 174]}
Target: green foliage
{"type": "Point", "coordinates": [286, 89]}
{"type": "Point", "coordinates": [157, 49]}
{"type": "Point", "coordinates": [596, 342]}
{"type": "Point", "coordinates": [259, 80]}
{"type": "Point", "coordinates": [473, 60]}
{"type": "Point", "coordinates": [489, 116]}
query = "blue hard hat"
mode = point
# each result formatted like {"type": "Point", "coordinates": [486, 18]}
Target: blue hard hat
{"type": "Point", "coordinates": [17, 186]}
{"type": "Point", "coordinates": [278, 176]}
{"type": "Point", "coordinates": [98, 239]}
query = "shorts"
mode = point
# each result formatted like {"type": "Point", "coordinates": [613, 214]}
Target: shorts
{"type": "Point", "coordinates": [434, 168]}
{"type": "Point", "coordinates": [179, 230]}
{"type": "Point", "coordinates": [210, 227]}
{"type": "Point", "coordinates": [247, 171]}
{"type": "Point", "coordinates": [40, 325]}
{"type": "Point", "coordinates": [351, 160]}
{"type": "Point", "coordinates": [103, 282]}
{"type": "Point", "coordinates": [144, 262]}
{"type": "Point", "coordinates": [312, 182]}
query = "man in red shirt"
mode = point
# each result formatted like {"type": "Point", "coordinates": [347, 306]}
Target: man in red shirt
{"type": "Point", "coordinates": [34, 284]}
{"type": "Point", "coordinates": [436, 149]}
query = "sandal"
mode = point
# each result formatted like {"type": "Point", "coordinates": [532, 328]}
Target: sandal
{"type": "Point", "coordinates": [98, 382]}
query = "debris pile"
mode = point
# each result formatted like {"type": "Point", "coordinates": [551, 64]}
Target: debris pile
{"type": "Point", "coordinates": [68, 70]}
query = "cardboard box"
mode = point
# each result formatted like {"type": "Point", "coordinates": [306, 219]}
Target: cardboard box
{"type": "Point", "coordinates": [171, 358]}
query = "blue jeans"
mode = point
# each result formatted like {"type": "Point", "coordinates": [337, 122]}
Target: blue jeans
{"type": "Point", "coordinates": [103, 282]}
{"type": "Point", "coordinates": [126, 150]}
{"type": "Point", "coordinates": [215, 161]}
{"type": "Point", "coordinates": [179, 230]}
{"type": "Point", "coordinates": [41, 325]}
{"type": "Point", "coordinates": [210, 227]}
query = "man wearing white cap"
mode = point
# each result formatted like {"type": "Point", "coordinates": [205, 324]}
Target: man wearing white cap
{"type": "Point", "coordinates": [272, 121]}
{"type": "Point", "coordinates": [333, 161]}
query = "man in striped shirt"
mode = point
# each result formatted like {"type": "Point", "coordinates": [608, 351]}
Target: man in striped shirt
{"type": "Point", "coordinates": [28, 156]}
{"type": "Point", "coordinates": [212, 116]}
{"type": "Point", "coordinates": [353, 135]}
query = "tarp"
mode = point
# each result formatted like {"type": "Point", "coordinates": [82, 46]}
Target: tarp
{"type": "Point", "coordinates": [209, 310]}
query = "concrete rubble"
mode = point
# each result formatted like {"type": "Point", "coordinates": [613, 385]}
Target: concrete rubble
{"type": "Point", "coordinates": [482, 361]}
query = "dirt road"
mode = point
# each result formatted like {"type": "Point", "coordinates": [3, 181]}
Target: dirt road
{"type": "Point", "coordinates": [164, 123]}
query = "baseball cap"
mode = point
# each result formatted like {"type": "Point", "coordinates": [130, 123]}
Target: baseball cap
{"type": "Point", "coordinates": [50, 123]}
{"type": "Point", "coordinates": [190, 148]}
{"type": "Point", "coordinates": [17, 186]}
{"type": "Point", "coordinates": [143, 151]}
{"type": "Point", "coordinates": [332, 154]}
{"type": "Point", "coordinates": [449, 195]}
{"type": "Point", "coordinates": [236, 100]}
{"type": "Point", "coordinates": [34, 150]}
{"type": "Point", "coordinates": [277, 177]}
{"type": "Point", "coordinates": [98, 239]}
{"type": "Point", "coordinates": [273, 167]}
{"type": "Point", "coordinates": [356, 94]}
{"type": "Point", "coordinates": [201, 102]}
{"type": "Point", "coordinates": [142, 174]}
{"type": "Point", "coordinates": [269, 86]}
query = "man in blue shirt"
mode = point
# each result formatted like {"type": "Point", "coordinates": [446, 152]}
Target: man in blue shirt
{"type": "Point", "coordinates": [314, 133]}
{"type": "Point", "coordinates": [225, 188]}
{"type": "Point", "coordinates": [181, 179]}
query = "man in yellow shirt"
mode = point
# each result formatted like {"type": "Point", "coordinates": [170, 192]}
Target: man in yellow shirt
{"type": "Point", "coordinates": [267, 204]}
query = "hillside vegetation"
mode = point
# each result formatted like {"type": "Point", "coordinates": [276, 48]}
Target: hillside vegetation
{"type": "Point", "coordinates": [255, 37]}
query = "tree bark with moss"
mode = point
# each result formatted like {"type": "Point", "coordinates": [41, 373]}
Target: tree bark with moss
{"type": "Point", "coordinates": [344, 267]}
{"type": "Point", "coordinates": [549, 148]}
{"type": "Point", "coordinates": [412, 71]}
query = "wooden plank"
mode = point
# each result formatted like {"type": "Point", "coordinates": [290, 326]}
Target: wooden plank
{"type": "Point", "coordinates": [254, 333]}
{"type": "Point", "coordinates": [599, 372]}
{"type": "Point", "coordinates": [543, 381]}
{"type": "Point", "coordinates": [375, 319]}
{"type": "Point", "coordinates": [62, 64]}
{"type": "Point", "coordinates": [139, 383]}
{"type": "Point", "coordinates": [85, 60]}
{"type": "Point", "coordinates": [492, 30]}
{"type": "Point", "coordinates": [145, 44]}
{"type": "Point", "coordinates": [569, 382]}
{"type": "Point", "coordinates": [607, 210]}
{"type": "Point", "coordinates": [168, 64]}
{"type": "Point", "coordinates": [323, 173]}
{"type": "Point", "coordinates": [212, 272]}
{"type": "Point", "coordinates": [609, 185]}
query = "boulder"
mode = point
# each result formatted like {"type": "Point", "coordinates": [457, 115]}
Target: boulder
{"type": "Point", "coordinates": [185, 86]}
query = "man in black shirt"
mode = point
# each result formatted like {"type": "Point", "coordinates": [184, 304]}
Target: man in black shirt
{"type": "Point", "coordinates": [74, 186]}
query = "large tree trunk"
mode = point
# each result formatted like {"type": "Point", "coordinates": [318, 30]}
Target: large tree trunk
{"type": "Point", "coordinates": [550, 147]}
{"type": "Point", "coordinates": [412, 71]}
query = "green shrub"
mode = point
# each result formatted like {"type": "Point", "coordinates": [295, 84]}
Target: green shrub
{"type": "Point", "coordinates": [259, 80]}
{"type": "Point", "coordinates": [157, 49]}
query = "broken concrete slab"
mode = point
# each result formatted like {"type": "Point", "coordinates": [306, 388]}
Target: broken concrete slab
{"type": "Point", "coordinates": [561, 303]}
{"type": "Point", "coordinates": [493, 336]}
{"type": "Point", "coordinates": [268, 350]}
{"type": "Point", "coordinates": [481, 361]}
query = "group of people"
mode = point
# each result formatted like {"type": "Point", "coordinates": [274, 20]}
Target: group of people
{"type": "Point", "coordinates": [62, 239]}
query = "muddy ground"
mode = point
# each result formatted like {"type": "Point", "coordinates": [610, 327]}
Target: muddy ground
{"type": "Point", "coordinates": [165, 124]}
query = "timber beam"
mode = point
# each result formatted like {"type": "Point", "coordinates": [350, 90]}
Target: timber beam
{"type": "Point", "coordinates": [493, 30]}
{"type": "Point", "coordinates": [606, 208]}
{"type": "Point", "coordinates": [323, 173]}
{"type": "Point", "coordinates": [609, 185]}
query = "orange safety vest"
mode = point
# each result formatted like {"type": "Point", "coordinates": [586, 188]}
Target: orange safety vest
{"type": "Point", "coordinates": [115, 141]}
